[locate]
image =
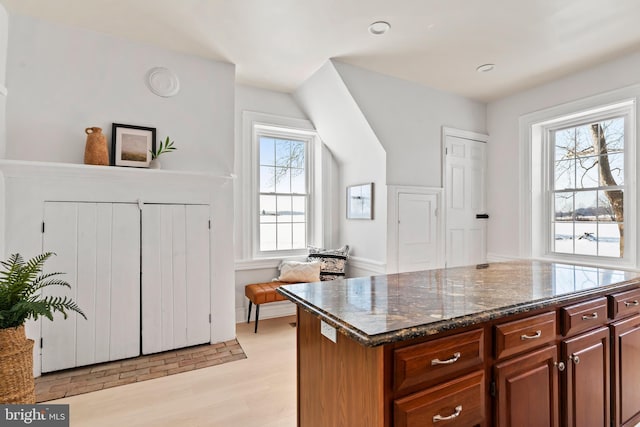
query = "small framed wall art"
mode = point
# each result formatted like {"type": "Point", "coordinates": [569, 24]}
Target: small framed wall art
{"type": "Point", "coordinates": [132, 145]}
{"type": "Point", "coordinates": [360, 201]}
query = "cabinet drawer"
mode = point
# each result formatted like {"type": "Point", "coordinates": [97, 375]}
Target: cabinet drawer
{"type": "Point", "coordinates": [624, 303]}
{"type": "Point", "coordinates": [432, 361]}
{"type": "Point", "coordinates": [459, 402]}
{"type": "Point", "coordinates": [586, 315]}
{"type": "Point", "coordinates": [520, 335]}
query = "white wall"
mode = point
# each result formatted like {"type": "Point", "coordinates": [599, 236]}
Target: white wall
{"type": "Point", "coordinates": [408, 119]}
{"type": "Point", "coordinates": [4, 40]}
{"type": "Point", "coordinates": [504, 152]}
{"type": "Point", "coordinates": [362, 159]}
{"type": "Point", "coordinates": [64, 79]}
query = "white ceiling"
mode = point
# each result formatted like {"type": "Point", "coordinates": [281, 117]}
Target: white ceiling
{"type": "Point", "coordinates": [278, 44]}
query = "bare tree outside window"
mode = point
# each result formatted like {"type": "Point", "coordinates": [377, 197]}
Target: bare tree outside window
{"type": "Point", "coordinates": [588, 189]}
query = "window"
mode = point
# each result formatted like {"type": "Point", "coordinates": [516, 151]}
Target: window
{"type": "Point", "coordinates": [588, 188]}
{"type": "Point", "coordinates": [284, 191]}
{"type": "Point", "coordinates": [587, 174]}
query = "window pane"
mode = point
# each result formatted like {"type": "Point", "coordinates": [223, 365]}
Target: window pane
{"type": "Point", "coordinates": [297, 154]}
{"type": "Point", "coordinates": [267, 151]}
{"type": "Point", "coordinates": [299, 209]}
{"type": "Point", "coordinates": [299, 236]}
{"type": "Point", "coordinates": [614, 134]}
{"type": "Point", "coordinates": [564, 207]}
{"type": "Point", "coordinates": [283, 180]}
{"type": "Point", "coordinates": [609, 240]}
{"type": "Point", "coordinates": [586, 238]}
{"type": "Point", "coordinates": [563, 237]}
{"type": "Point", "coordinates": [284, 236]}
{"type": "Point", "coordinates": [606, 213]}
{"type": "Point", "coordinates": [268, 237]}
{"type": "Point", "coordinates": [267, 179]}
{"type": "Point", "coordinates": [587, 172]}
{"type": "Point", "coordinates": [298, 181]}
{"type": "Point", "coordinates": [616, 166]}
{"type": "Point", "coordinates": [584, 141]}
{"type": "Point", "coordinates": [565, 174]}
{"type": "Point", "coordinates": [564, 144]}
{"type": "Point", "coordinates": [267, 209]}
{"type": "Point", "coordinates": [586, 206]}
{"type": "Point", "coordinates": [283, 152]}
{"type": "Point", "coordinates": [284, 209]}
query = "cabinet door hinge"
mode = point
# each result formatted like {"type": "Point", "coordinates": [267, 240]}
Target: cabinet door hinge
{"type": "Point", "coordinates": [492, 389]}
{"type": "Point", "coordinates": [209, 224]}
{"type": "Point", "coordinates": [209, 317]}
{"type": "Point", "coordinates": [43, 226]}
{"type": "Point", "coordinates": [40, 342]}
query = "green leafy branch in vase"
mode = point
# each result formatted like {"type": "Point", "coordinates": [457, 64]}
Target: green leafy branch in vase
{"type": "Point", "coordinates": [165, 146]}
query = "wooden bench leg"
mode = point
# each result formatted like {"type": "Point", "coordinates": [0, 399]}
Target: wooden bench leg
{"type": "Point", "coordinates": [249, 315]}
{"type": "Point", "coordinates": [255, 331]}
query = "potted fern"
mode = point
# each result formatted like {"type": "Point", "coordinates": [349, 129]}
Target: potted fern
{"type": "Point", "coordinates": [21, 299]}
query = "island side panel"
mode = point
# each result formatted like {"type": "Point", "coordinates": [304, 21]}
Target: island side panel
{"type": "Point", "coordinates": [339, 384]}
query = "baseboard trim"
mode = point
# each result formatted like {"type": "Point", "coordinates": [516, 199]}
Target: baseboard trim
{"type": "Point", "coordinates": [492, 257]}
{"type": "Point", "coordinates": [369, 265]}
{"type": "Point", "coordinates": [267, 311]}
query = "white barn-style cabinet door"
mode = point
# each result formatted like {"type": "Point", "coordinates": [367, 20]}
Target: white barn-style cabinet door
{"type": "Point", "coordinates": [98, 249]}
{"type": "Point", "coordinates": [175, 279]}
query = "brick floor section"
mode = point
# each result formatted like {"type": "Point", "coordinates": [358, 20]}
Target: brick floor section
{"type": "Point", "coordinates": [86, 379]}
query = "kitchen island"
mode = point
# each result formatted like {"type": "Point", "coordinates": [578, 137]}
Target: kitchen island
{"type": "Point", "coordinates": [507, 344]}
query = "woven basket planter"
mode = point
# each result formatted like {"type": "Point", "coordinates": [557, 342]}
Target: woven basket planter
{"type": "Point", "coordinates": [16, 367]}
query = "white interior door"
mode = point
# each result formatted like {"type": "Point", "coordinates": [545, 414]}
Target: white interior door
{"type": "Point", "coordinates": [175, 278]}
{"type": "Point", "coordinates": [466, 225]}
{"type": "Point", "coordinates": [417, 232]}
{"type": "Point", "coordinates": [98, 249]}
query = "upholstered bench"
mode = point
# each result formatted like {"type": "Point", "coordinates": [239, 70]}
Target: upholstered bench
{"type": "Point", "coordinates": [262, 293]}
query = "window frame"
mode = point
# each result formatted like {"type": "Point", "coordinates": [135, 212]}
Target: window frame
{"type": "Point", "coordinates": [279, 132]}
{"type": "Point", "coordinates": [546, 129]}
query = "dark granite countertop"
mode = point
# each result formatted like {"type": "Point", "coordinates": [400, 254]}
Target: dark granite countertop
{"type": "Point", "coordinates": [383, 309]}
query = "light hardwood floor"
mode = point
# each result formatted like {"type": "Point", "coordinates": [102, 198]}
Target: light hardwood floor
{"type": "Point", "coordinates": [259, 391]}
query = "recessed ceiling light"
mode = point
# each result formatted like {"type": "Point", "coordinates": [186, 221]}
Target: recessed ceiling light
{"type": "Point", "coordinates": [379, 27]}
{"type": "Point", "coordinates": [485, 68]}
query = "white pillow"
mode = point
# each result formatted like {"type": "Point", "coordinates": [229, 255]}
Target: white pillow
{"type": "Point", "coordinates": [299, 272]}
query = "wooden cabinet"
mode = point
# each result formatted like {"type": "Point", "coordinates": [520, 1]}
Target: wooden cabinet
{"type": "Point", "coordinates": [521, 335]}
{"type": "Point", "coordinates": [626, 371]}
{"type": "Point", "coordinates": [119, 262]}
{"type": "Point", "coordinates": [459, 402]}
{"type": "Point", "coordinates": [436, 361]}
{"type": "Point", "coordinates": [586, 380]}
{"type": "Point", "coordinates": [527, 390]}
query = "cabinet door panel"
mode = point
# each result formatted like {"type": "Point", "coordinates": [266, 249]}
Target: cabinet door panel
{"type": "Point", "coordinates": [587, 379]}
{"type": "Point", "coordinates": [527, 390]}
{"type": "Point", "coordinates": [626, 371]}
{"type": "Point", "coordinates": [97, 246]}
{"type": "Point", "coordinates": [175, 280]}
{"type": "Point", "coordinates": [125, 282]}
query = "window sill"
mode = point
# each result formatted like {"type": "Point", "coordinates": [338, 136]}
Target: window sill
{"type": "Point", "coordinates": [264, 263]}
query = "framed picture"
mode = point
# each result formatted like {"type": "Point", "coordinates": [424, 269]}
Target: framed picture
{"type": "Point", "coordinates": [360, 201]}
{"type": "Point", "coordinates": [132, 145]}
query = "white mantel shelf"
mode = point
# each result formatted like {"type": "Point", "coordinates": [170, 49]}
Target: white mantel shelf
{"type": "Point", "coordinates": [31, 168]}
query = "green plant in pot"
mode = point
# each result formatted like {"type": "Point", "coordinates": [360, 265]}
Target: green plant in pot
{"type": "Point", "coordinates": [165, 146]}
{"type": "Point", "coordinates": [21, 299]}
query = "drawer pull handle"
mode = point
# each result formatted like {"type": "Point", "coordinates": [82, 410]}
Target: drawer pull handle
{"type": "Point", "coordinates": [631, 303]}
{"type": "Point", "coordinates": [456, 414]}
{"type": "Point", "coordinates": [454, 359]}
{"type": "Point", "coordinates": [591, 316]}
{"type": "Point", "coordinates": [537, 335]}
